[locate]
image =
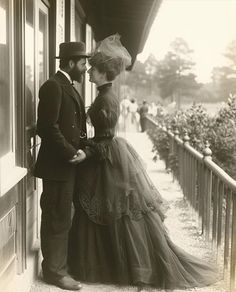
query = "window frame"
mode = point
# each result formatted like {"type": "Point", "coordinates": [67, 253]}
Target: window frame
{"type": "Point", "coordinates": [10, 173]}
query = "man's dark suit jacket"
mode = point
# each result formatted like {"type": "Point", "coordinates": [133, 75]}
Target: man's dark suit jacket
{"type": "Point", "coordinates": [61, 120]}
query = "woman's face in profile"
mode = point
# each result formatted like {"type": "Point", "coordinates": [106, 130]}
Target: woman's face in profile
{"type": "Point", "coordinates": [95, 76]}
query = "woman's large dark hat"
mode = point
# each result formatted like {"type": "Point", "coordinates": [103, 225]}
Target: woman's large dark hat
{"type": "Point", "coordinates": [72, 49]}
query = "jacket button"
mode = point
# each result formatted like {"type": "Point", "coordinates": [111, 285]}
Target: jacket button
{"type": "Point", "coordinates": [73, 126]}
{"type": "Point", "coordinates": [75, 113]}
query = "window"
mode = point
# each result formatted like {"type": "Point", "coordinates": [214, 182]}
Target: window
{"type": "Point", "coordinates": [5, 80]}
{"type": "Point", "coordinates": [9, 173]}
{"type": "Point", "coordinates": [30, 109]}
{"type": "Point", "coordinates": [60, 26]}
{"type": "Point", "coordinates": [90, 88]}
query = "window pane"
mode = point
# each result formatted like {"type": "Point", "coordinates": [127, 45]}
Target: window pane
{"type": "Point", "coordinates": [79, 36]}
{"type": "Point", "coordinates": [29, 81]}
{"type": "Point", "coordinates": [29, 64]}
{"type": "Point", "coordinates": [42, 47]}
{"type": "Point", "coordinates": [5, 81]}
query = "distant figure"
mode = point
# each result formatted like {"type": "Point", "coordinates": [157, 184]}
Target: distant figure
{"type": "Point", "coordinates": [153, 109]}
{"type": "Point", "coordinates": [125, 103]}
{"type": "Point", "coordinates": [133, 110]}
{"type": "Point", "coordinates": [143, 111]}
{"type": "Point", "coordinates": [171, 107]}
{"type": "Point", "coordinates": [124, 110]}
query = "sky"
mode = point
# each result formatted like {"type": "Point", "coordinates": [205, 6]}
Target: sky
{"type": "Point", "coordinates": [208, 26]}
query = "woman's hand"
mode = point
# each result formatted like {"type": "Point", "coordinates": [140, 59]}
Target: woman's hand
{"type": "Point", "coordinates": [88, 120]}
{"type": "Point", "coordinates": [79, 157]}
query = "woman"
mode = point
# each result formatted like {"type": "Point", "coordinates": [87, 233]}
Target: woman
{"type": "Point", "coordinates": [118, 235]}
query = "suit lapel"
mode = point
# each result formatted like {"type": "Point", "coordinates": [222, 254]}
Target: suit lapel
{"type": "Point", "coordinates": [71, 92]}
{"type": "Point", "coordinates": [67, 86]}
{"type": "Point", "coordinates": [81, 102]}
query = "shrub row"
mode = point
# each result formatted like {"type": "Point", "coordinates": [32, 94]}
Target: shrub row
{"type": "Point", "coordinates": [219, 131]}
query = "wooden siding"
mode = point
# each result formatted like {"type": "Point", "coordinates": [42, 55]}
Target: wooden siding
{"type": "Point", "coordinates": [8, 239]}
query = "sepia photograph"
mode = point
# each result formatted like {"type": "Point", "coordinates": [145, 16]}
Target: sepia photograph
{"type": "Point", "coordinates": [118, 145]}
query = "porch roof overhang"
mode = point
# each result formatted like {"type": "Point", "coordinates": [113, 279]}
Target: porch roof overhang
{"type": "Point", "coordinates": [132, 19]}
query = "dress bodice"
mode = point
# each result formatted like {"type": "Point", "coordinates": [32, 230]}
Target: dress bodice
{"type": "Point", "coordinates": [104, 112]}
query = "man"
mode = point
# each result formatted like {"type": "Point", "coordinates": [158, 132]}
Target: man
{"type": "Point", "coordinates": [62, 127]}
{"type": "Point", "coordinates": [143, 111]}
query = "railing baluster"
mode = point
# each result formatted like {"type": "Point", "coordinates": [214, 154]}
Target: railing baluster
{"type": "Point", "coordinates": [191, 182]}
{"type": "Point", "coordinates": [204, 205]}
{"type": "Point", "coordinates": [227, 228]}
{"type": "Point", "coordinates": [207, 188]}
{"type": "Point", "coordinates": [184, 172]}
{"type": "Point", "coordinates": [220, 209]}
{"type": "Point", "coordinates": [188, 170]}
{"type": "Point", "coordinates": [185, 157]}
{"type": "Point", "coordinates": [233, 248]}
{"type": "Point", "coordinates": [195, 185]}
{"type": "Point", "coordinates": [183, 169]}
{"type": "Point", "coordinates": [215, 212]}
{"type": "Point", "coordinates": [201, 197]}
{"type": "Point", "coordinates": [208, 203]}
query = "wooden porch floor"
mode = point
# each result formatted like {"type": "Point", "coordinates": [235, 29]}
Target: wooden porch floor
{"type": "Point", "coordinates": [179, 221]}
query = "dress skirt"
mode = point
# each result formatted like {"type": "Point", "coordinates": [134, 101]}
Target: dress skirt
{"type": "Point", "coordinates": [118, 235]}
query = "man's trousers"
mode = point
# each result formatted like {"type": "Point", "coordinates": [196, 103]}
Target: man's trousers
{"type": "Point", "coordinates": [56, 205]}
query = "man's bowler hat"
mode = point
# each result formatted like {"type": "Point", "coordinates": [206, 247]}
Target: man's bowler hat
{"type": "Point", "coordinates": [72, 49]}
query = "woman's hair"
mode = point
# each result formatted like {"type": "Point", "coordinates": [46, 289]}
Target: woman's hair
{"type": "Point", "coordinates": [112, 66]}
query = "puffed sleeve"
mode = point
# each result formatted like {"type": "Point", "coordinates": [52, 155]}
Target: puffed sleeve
{"type": "Point", "coordinates": [98, 151]}
{"type": "Point", "coordinates": [108, 114]}
{"type": "Point", "coordinates": [104, 114]}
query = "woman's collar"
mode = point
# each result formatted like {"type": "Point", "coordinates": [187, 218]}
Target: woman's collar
{"type": "Point", "coordinates": [104, 86]}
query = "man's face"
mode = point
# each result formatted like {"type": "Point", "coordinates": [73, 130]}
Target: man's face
{"type": "Point", "coordinates": [77, 70]}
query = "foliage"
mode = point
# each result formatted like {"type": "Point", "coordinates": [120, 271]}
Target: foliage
{"type": "Point", "coordinates": [161, 146]}
{"type": "Point", "coordinates": [141, 79]}
{"type": "Point", "coordinates": [222, 137]}
{"type": "Point", "coordinates": [219, 130]}
{"type": "Point", "coordinates": [195, 122]}
{"type": "Point", "coordinates": [173, 164]}
{"type": "Point", "coordinates": [174, 73]}
{"type": "Point", "coordinates": [137, 77]}
{"type": "Point", "coordinates": [224, 77]}
{"type": "Point", "coordinates": [171, 77]}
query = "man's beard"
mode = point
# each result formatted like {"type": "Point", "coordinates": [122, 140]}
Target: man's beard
{"type": "Point", "coordinates": [76, 75]}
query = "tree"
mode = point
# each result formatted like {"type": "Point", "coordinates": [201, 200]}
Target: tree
{"type": "Point", "coordinates": [137, 78]}
{"type": "Point", "coordinates": [151, 69]}
{"type": "Point", "coordinates": [141, 80]}
{"type": "Point", "coordinates": [224, 77]}
{"type": "Point", "coordinates": [174, 73]}
{"type": "Point", "coordinates": [231, 54]}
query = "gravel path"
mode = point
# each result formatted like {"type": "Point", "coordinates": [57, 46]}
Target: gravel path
{"type": "Point", "coordinates": [179, 221]}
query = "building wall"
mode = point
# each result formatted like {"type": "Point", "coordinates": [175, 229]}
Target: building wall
{"type": "Point", "coordinates": [31, 31]}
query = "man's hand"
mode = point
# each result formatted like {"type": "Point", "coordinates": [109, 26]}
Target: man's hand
{"type": "Point", "coordinates": [79, 157]}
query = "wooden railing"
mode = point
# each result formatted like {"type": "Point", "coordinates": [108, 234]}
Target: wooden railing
{"type": "Point", "coordinates": [211, 194]}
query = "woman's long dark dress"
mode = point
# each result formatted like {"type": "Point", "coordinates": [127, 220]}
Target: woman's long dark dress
{"type": "Point", "coordinates": [117, 234]}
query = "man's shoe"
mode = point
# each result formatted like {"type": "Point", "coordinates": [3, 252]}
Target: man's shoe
{"type": "Point", "coordinates": [66, 283]}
